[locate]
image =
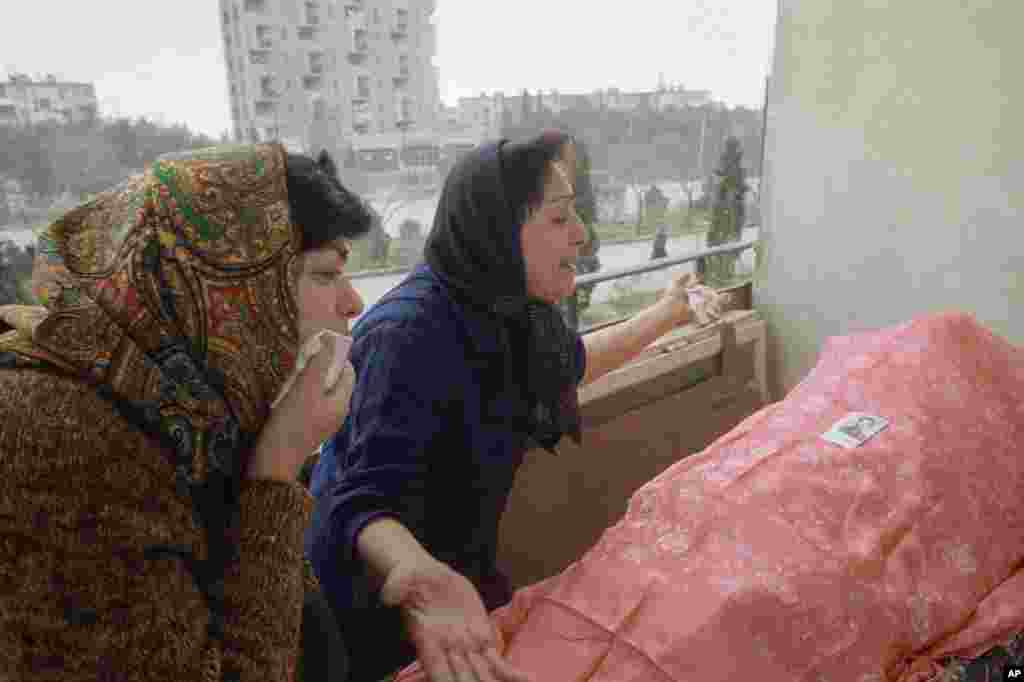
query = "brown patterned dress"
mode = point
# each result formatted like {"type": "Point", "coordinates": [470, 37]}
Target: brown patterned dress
{"type": "Point", "coordinates": [132, 545]}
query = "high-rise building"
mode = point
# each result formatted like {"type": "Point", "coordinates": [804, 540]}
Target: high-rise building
{"type": "Point", "coordinates": [321, 73]}
{"type": "Point", "coordinates": [24, 101]}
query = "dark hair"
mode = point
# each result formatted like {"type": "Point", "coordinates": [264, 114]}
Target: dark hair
{"type": "Point", "coordinates": [524, 167]}
{"type": "Point", "coordinates": [320, 206]}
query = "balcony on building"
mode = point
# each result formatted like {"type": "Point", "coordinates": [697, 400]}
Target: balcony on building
{"type": "Point", "coordinates": [259, 57]}
{"type": "Point", "coordinates": [268, 88]}
{"type": "Point", "coordinates": [8, 112]}
{"type": "Point", "coordinates": [312, 82]}
{"type": "Point", "coordinates": [400, 29]}
{"type": "Point", "coordinates": [362, 116]}
{"type": "Point", "coordinates": [265, 37]}
{"type": "Point", "coordinates": [355, 18]}
{"type": "Point", "coordinates": [317, 63]}
{"type": "Point", "coordinates": [257, 6]}
{"type": "Point", "coordinates": [360, 49]}
{"type": "Point", "coordinates": [264, 108]}
{"type": "Point", "coordinates": [312, 13]}
{"type": "Point", "coordinates": [402, 78]}
{"type": "Point", "coordinates": [361, 104]}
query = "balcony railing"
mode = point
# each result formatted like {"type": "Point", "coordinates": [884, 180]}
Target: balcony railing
{"type": "Point", "coordinates": [653, 266]}
{"type": "Point", "coordinates": [263, 108]}
{"type": "Point", "coordinates": [265, 37]}
{"type": "Point", "coordinates": [399, 31]}
{"type": "Point", "coordinates": [259, 57]}
{"type": "Point", "coordinates": [360, 47]}
{"type": "Point", "coordinates": [356, 19]}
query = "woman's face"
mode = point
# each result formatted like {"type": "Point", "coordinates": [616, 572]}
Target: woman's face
{"type": "Point", "coordinates": [552, 237]}
{"type": "Point", "coordinates": [326, 298]}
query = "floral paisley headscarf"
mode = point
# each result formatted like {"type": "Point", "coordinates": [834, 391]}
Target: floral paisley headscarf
{"type": "Point", "coordinates": [174, 295]}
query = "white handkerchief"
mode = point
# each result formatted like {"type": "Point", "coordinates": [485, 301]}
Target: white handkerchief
{"type": "Point", "coordinates": [855, 429]}
{"type": "Point", "coordinates": [342, 343]}
{"type": "Point", "coordinates": [704, 303]}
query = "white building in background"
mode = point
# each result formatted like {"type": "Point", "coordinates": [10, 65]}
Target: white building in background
{"type": "Point", "coordinates": [24, 101]}
{"type": "Point", "coordinates": [490, 112]}
{"type": "Point", "coordinates": [322, 73]}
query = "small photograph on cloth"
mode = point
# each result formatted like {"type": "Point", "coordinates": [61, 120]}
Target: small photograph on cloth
{"type": "Point", "coordinates": [855, 429]}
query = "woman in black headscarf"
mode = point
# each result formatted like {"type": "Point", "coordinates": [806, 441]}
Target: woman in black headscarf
{"type": "Point", "coordinates": [460, 369]}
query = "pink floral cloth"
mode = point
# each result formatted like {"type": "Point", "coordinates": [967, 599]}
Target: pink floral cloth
{"type": "Point", "coordinates": [777, 556]}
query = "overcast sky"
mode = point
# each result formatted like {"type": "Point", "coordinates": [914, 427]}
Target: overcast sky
{"type": "Point", "coordinates": [165, 60]}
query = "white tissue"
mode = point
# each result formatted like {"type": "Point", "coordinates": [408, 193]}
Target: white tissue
{"type": "Point", "coordinates": [312, 346]}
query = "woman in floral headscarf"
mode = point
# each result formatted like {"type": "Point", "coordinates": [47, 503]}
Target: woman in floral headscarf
{"type": "Point", "coordinates": [150, 521]}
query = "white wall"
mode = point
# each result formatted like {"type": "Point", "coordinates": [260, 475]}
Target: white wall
{"type": "Point", "coordinates": [894, 176]}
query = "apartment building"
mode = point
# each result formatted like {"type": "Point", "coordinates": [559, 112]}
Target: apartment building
{"type": "Point", "coordinates": [422, 158]}
{"type": "Point", "coordinates": [24, 101]}
{"type": "Point", "coordinates": [322, 73]}
{"type": "Point", "coordinates": [491, 112]}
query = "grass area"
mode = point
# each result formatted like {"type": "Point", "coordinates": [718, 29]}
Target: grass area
{"type": "Point", "coordinates": [360, 261]}
{"type": "Point", "coordinates": [680, 222]}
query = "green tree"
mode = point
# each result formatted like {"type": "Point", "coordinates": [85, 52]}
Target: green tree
{"type": "Point", "coordinates": [586, 200]}
{"type": "Point", "coordinates": [33, 160]}
{"type": "Point", "coordinates": [15, 271]}
{"type": "Point", "coordinates": [586, 208]}
{"type": "Point", "coordinates": [727, 215]}
{"type": "Point", "coordinates": [5, 208]}
{"type": "Point", "coordinates": [124, 137]}
{"type": "Point", "coordinates": [527, 111]}
{"type": "Point", "coordinates": [84, 162]}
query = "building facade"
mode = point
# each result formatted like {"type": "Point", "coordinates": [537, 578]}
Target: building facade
{"type": "Point", "coordinates": [420, 159]}
{"type": "Point", "coordinates": [491, 112]}
{"type": "Point", "coordinates": [24, 101]}
{"type": "Point", "coordinates": [321, 73]}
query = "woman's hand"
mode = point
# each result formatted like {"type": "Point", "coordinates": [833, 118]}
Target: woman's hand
{"type": "Point", "coordinates": [447, 622]}
{"type": "Point", "coordinates": [311, 408]}
{"type": "Point", "coordinates": [687, 300]}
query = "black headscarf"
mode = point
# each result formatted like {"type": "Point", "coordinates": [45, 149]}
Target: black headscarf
{"type": "Point", "coordinates": [475, 248]}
